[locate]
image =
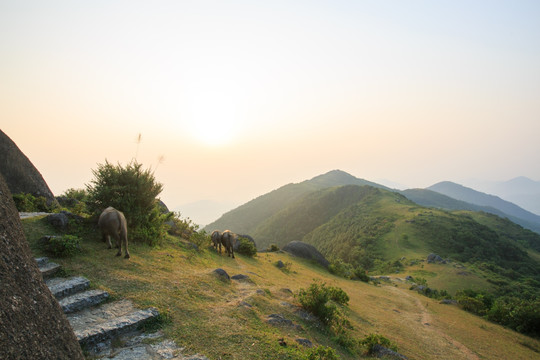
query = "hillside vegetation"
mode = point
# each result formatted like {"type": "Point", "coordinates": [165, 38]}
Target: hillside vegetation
{"type": "Point", "coordinates": [229, 319]}
{"type": "Point", "coordinates": [245, 218]}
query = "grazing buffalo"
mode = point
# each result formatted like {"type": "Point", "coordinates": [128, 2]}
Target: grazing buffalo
{"type": "Point", "coordinates": [113, 223]}
{"type": "Point", "coordinates": [228, 239]}
{"type": "Point", "coordinates": [216, 240]}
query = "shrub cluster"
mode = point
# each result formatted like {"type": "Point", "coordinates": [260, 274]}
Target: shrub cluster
{"type": "Point", "coordinates": [321, 301]}
{"type": "Point", "coordinates": [134, 191]}
{"type": "Point", "coordinates": [246, 247]}
{"type": "Point", "coordinates": [30, 203]}
{"type": "Point", "coordinates": [348, 271]}
{"type": "Point", "coordinates": [371, 340]}
{"type": "Point", "coordinates": [61, 246]}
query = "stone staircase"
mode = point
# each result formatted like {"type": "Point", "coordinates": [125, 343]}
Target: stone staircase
{"type": "Point", "coordinates": [99, 324]}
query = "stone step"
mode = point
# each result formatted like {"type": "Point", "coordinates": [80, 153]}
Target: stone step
{"type": "Point", "coordinates": [47, 268]}
{"type": "Point", "coordinates": [114, 327]}
{"type": "Point", "coordinates": [83, 300]}
{"type": "Point", "coordinates": [61, 287]}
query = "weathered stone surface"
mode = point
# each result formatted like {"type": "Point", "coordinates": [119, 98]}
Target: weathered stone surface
{"type": "Point", "coordinates": [304, 342]}
{"type": "Point", "coordinates": [47, 268]}
{"type": "Point", "coordinates": [59, 220]}
{"type": "Point", "coordinates": [32, 325]}
{"type": "Point", "coordinates": [240, 277]}
{"type": "Point", "coordinates": [306, 251]}
{"type": "Point", "coordinates": [222, 274]}
{"type": "Point", "coordinates": [280, 320]}
{"type": "Point", "coordinates": [19, 173]}
{"type": "Point", "coordinates": [115, 326]}
{"type": "Point", "coordinates": [83, 300]}
{"type": "Point", "coordinates": [61, 287]}
{"type": "Point", "coordinates": [448, 302]}
{"type": "Point", "coordinates": [380, 351]}
{"type": "Point", "coordinates": [434, 258]}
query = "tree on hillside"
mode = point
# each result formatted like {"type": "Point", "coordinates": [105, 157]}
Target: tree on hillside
{"type": "Point", "coordinates": [134, 191]}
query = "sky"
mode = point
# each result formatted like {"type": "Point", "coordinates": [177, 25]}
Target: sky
{"type": "Point", "coordinates": [233, 99]}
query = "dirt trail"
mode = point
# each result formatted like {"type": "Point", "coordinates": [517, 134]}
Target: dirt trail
{"type": "Point", "coordinates": [426, 321]}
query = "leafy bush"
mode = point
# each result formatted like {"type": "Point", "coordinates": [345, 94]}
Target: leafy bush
{"type": "Point", "coordinates": [272, 248]}
{"type": "Point", "coordinates": [522, 315]}
{"type": "Point", "coordinates": [246, 247]}
{"type": "Point", "coordinates": [321, 301]}
{"type": "Point", "coordinates": [74, 200]}
{"type": "Point", "coordinates": [183, 227]}
{"type": "Point", "coordinates": [371, 340]}
{"type": "Point", "coordinates": [322, 353]}
{"type": "Point", "coordinates": [199, 238]}
{"type": "Point", "coordinates": [30, 203]}
{"type": "Point", "coordinates": [133, 191]}
{"type": "Point", "coordinates": [61, 246]}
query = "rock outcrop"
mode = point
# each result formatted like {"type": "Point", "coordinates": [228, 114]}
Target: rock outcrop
{"type": "Point", "coordinates": [306, 251]}
{"type": "Point", "coordinates": [32, 324]}
{"type": "Point", "coordinates": [19, 173]}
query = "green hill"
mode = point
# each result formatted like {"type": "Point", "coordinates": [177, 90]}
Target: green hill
{"type": "Point", "coordinates": [245, 218]}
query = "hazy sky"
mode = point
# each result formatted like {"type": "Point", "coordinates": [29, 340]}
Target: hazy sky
{"type": "Point", "coordinates": [241, 97]}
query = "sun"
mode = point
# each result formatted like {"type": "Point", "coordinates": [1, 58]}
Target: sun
{"type": "Point", "coordinates": [214, 129]}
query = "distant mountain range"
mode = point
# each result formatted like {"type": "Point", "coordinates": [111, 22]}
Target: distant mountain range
{"type": "Point", "coordinates": [452, 196]}
{"type": "Point", "coordinates": [522, 191]}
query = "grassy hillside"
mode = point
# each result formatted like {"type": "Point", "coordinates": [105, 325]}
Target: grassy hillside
{"type": "Point", "coordinates": [246, 218]}
{"type": "Point", "coordinates": [227, 320]}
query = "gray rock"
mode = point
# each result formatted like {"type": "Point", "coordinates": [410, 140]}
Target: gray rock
{"type": "Point", "coordinates": [47, 268]}
{"type": "Point", "coordinates": [280, 264]}
{"type": "Point", "coordinates": [381, 351]}
{"type": "Point", "coordinates": [409, 278]}
{"type": "Point", "coordinates": [306, 251]}
{"type": "Point", "coordinates": [240, 277]}
{"type": "Point", "coordinates": [280, 320]}
{"type": "Point", "coordinates": [222, 274]}
{"type": "Point", "coordinates": [448, 302]}
{"type": "Point", "coordinates": [61, 287]}
{"type": "Point", "coordinates": [32, 325]}
{"type": "Point", "coordinates": [304, 342]}
{"type": "Point", "coordinates": [59, 220]}
{"type": "Point", "coordinates": [434, 258]}
{"type": "Point", "coordinates": [115, 326]}
{"type": "Point", "coordinates": [83, 300]}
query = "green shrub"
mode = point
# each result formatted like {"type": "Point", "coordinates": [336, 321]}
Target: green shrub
{"type": "Point", "coordinates": [61, 246]}
{"type": "Point", "coordinates": [74, 200]}
{"type": "Point", "coordinates": [246, 247]}
{"type": "Point", "coordinates": [199, 238]}
{"type": "Point", "coordinates": [321, 301]}
{"type": "Point", "coordinates": [322, 353]}
{"type": "Point", "coordinates": [183, 227]}
{"type": "Point", "coordinates": [30, 203]}
{"type": "Point", "coordinates": [133, 191]}
{"type": "Point", "coordinates": [272, 248]}
{"type": "Point", "coordinates": [373, 339]}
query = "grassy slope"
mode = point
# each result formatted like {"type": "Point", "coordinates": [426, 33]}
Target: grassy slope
{"type": "Point", "coordinates": [206, 315]}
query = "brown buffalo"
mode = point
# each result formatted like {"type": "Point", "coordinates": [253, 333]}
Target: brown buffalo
{"type": "Point", "coordinates": [113, 223]}
{"type": "Point", "coordinates": [228, 239]}
{"type": "Point", "coordinates": [216, 240]}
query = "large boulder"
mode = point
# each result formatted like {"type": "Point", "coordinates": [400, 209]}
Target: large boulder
{"type": "Point", "coordinates": [19, 173]}
{"type": "Point", "coordinates": [32, 324]}
{"type": "Point", "coordinates": [306, 251]}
